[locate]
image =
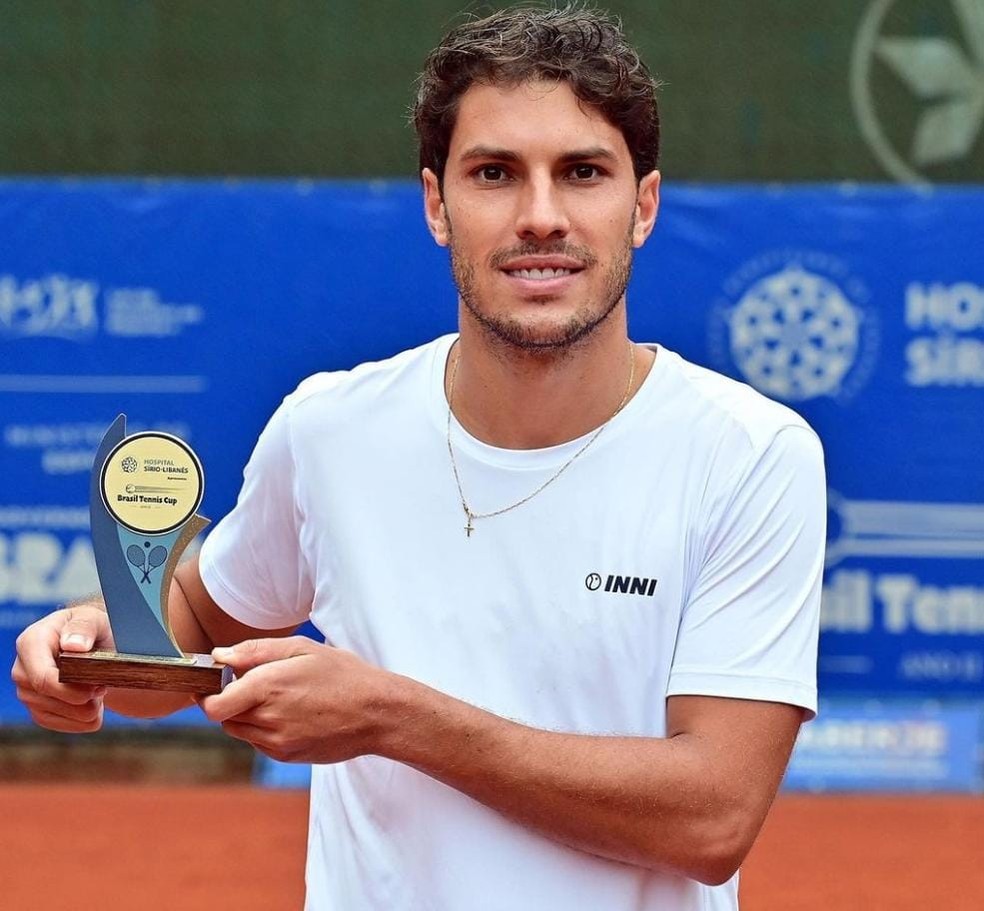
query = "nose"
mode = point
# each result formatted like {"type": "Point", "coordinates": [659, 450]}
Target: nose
{"type": "Point", "coordinates": [541, 214]}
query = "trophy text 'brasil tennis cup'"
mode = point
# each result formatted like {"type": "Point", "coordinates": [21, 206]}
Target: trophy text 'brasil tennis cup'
{"type": "Point", "coordinates": [143, 496]}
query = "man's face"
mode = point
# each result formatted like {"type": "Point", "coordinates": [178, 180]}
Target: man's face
{"type": "Point", "coordinates": [541, 210]}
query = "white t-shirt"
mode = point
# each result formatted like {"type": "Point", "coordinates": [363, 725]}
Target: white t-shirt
{"type": "Point", "coordinates": [680, 554]}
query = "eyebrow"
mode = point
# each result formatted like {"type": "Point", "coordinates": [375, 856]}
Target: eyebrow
{"type": "Point", "coordinates": [585, 154]}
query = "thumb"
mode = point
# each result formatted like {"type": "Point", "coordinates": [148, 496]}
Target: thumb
{"type": "Point", "coordinates": [254, 652]}
{"type": "Point", "coordinates": [81, 630]}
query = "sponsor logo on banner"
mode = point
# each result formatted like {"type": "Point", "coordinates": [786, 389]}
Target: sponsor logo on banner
{"type": "Point", "coordinates": [795, 325]}
{"type": "Point", "coordinates": [141, 312]}
{"type": "Point", "coordinates": [53, 306]}
{"type": "Point", "coordinates": [947, 322]}
{"type": "Point", "coordinates": [858, 601]}
{"type": "Point", "coordinates": [60, 306]}
{"type": "Point", "coordinates": [45, 559]}
{"type": "Point", "coordinates": [70, 447]}
{"type": "Point", "coordinates": [939, 77]}
{"type": "Point", "coordinates": [903, 529]}
{"type": "Point", "coordinates": [871, 746]}
{"type": "Point", "coordinates": [900, 604]}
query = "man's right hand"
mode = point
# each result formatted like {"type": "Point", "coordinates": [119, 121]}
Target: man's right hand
{"type": "Point", "coordinates": [68, 707]}
{"type": "Point", "coordinates": [198, 624]}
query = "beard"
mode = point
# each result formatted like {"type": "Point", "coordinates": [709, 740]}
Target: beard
{"type": "Point", "coordinates": [515, 333]}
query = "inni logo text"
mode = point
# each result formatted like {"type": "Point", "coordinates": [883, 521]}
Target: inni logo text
{"type": "Point", "coordinates": [622, 585]}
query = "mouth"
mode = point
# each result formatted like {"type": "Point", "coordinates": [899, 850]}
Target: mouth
{"type": "Point", "coordinates": [540, 275]}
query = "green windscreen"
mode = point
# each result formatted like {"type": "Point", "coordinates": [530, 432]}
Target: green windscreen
{"type": "Point", "coordinates": [754, 90]}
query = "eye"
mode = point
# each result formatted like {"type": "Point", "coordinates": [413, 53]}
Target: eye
{"type": "Point", "coordinates": [491, 173]}
{"type": "Point", "coordinates": [585, 171]}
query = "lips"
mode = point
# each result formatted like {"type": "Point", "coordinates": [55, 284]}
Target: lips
{"type": "Point", "coordinates": [541, 283]}
{"type": "Point", "coordinates": [547, 270]}
{"type": "Point", "coordinates": [539, 274]}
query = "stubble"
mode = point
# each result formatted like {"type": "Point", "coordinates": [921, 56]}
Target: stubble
{"type": "Point", "coordinates": [504, 331]}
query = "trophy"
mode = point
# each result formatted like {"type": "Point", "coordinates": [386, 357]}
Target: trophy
{"type": "Point", "coordinates": [143, 496]}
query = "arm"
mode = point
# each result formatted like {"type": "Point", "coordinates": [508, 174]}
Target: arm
{"type": "Point", "coordinates": [691, 803]}
{"type": "Point", "coordinates": [198, 624]}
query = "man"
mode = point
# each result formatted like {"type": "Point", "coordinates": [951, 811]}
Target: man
{"type": "Point", "coordinates": [569, 584]}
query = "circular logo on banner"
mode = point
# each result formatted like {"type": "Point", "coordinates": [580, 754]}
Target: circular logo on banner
{"type": "Point", "coordinates": [794, 326]}
{"type": "Point", "coordinates": [794, 334]}
{"type": "Point", "coordinates": [152, 483]}
{"type": "Point", "coordinates": [919, 98]}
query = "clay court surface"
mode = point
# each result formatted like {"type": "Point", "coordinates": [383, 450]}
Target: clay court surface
{"type": "Point", "coordinates": [236, 847]}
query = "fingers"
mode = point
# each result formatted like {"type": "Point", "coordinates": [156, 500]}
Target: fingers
{"type": "Point", "coordinates": [254, 662]}
{"type": "Point", "coordinates": [72, 629]}
{"type": "Point", "coordinates": [36, 649]}
{"type": "Point", "coordinates": [82, 630]}
{"type": "Point", "coordinates": [60, 716]}
{"type": "Point", "coordinates": [240, 696]}
{"type": "Point", "coordinates": [253, 652]}
{"type": "Point", "coordinates": [55, 705]}
{"type": "Point", "coordinates": [65, 725]}
{"type": "Point", "coordinates": [249, 690]}
{"type": "Point", "coordinates": [251, 733]}
{"type": "Point", "coordinates": [48, 686]}
{"type": "Point", "coordinates": [70, 708]}
{"type": "Point", "coordinates": [271, 742]}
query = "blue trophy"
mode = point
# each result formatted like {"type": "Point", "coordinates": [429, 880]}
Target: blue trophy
{"type": "Point", "coordinates": [143, 499]}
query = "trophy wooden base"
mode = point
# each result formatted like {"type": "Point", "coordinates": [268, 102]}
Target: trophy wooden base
{"type": "Point", "coordinates": [200, 674]}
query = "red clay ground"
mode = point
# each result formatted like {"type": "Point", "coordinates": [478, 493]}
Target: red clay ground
{"type": "Point", "coordinates": [214, 848]}
{"type": "Point", "coordinates": [868, 853]}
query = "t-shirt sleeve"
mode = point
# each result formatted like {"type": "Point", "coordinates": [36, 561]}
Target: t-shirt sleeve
{"type": "Point", "coordinates": [749, 629]}
{"type": "Point", "coordinates": [251, 563]}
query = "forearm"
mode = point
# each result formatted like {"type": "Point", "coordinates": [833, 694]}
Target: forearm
{"type": "Point", "coordinates": [146, 703]}
{"type": "Point", "coordinates": [690, 803]}
{"type": "Point", "coordinates": [651, 802]}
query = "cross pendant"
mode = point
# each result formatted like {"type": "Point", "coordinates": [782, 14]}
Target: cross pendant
{"type": "Point", "coordinates": [469, 528]}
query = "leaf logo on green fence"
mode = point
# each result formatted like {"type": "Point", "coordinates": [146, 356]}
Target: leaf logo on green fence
{"type": "Point", "coordinates": [919, 99]}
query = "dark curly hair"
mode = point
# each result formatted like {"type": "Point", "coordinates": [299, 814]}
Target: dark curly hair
{"type": "Point", "coordinates": [575, 44]}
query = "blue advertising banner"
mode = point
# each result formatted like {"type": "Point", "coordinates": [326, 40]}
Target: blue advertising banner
{"type": "Point", "coordinates": [195, 306]}
{"type": "Point", "coordinates": [863, 309]}
{"type": "Point", "coordinates": [854, 746]}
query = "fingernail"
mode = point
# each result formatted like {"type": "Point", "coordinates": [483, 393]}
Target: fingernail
{"type": "Point", "coordinates": [77, 639]}
{"type": "Point", "coordinates": [221, 651]}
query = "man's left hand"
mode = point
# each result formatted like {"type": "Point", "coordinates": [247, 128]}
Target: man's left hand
{"type": "Point", "coordinates": [297, 701]}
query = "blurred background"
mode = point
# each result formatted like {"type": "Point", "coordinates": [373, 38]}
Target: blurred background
{"type": "Point", "coordinates": [204, 202]}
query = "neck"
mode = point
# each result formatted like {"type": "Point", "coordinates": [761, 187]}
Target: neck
{"type": "Point", "coordinates": [521, 399]}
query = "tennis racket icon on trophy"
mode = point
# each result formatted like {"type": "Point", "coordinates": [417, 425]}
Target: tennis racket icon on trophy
{"type": "Point", "coordinates": [144, 561]}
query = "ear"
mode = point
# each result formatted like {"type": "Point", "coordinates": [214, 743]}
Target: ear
{"type": "Point", "coordinates": [647, 206]}
{"type": "Point", "coordinates": [434, 211]}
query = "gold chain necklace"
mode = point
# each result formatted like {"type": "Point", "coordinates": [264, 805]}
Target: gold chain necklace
{"type": "Point", "coordinates": [469, 514]}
